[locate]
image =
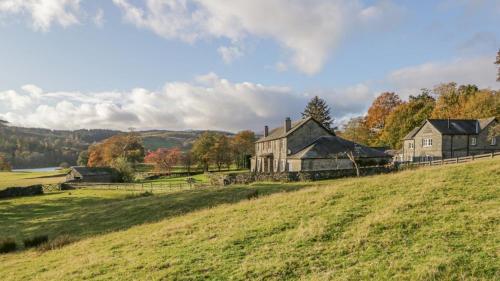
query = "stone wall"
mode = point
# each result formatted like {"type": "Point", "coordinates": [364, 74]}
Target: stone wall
{"type": "Point", "coordinates": [246, 178]}
{"type": "Point", "coordinates": [21, 191]}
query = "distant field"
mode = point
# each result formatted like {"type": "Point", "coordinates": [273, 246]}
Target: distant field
{"type": "Point", "coordinates": [433, 223]}
{"type": "Point", "coordinates": [9, 179]}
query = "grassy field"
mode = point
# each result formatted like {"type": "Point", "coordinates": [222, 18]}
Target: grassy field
{"type": "Point", "coordinates": [435, 223]}
{"type": "Point", "coordinates": [200, 178]}
{"type": "Point", "coordinates": [8, 179]}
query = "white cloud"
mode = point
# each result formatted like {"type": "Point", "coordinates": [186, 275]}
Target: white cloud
{"type": "Point", "coordinates": [230, 53]}
{"type": "Point", "coordinates": [308, 30]}
{"type": "Point", "coordinates": [478, 70]}
{"type": "Point", "coordinates": [208, 103]}
{"type": "Point", "coordinates": [99, 18]}
{"type": "Point", "coordinates": [44, 13]}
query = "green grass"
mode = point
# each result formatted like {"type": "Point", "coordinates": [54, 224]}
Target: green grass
{"type": "Point", "coordinates": [200, 178]}
{"type": "Point", "coordinates": [10, 179]}
{"type": "Point", "coordinates": [435, 223]}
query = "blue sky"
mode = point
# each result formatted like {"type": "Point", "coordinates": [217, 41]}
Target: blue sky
{"type": "Point", "coordinates": [196, 64]}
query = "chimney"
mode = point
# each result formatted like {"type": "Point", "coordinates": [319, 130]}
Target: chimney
{"type": "Point", "coordinates": [448, 122]}
{"type": "Point", "coordinates": [288, 124]}
{"type": "Point", "coordinates": [477, 127]}
{"type": "Point", "coordinates": [266, 131]}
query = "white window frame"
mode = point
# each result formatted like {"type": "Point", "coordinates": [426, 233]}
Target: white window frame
{"type": "Point", "coordinates": [473, 141]}
{"type": "Point", "coordinates": [493, 141]}
{"type": "Point", "coordinates": [427, 142]}
{"type": "Point", "coordinates": [410, 145]}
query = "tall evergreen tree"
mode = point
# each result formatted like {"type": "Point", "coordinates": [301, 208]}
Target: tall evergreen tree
{"type": "Point", "coordinates": [498, 62]}
{"type": "Point", "coordinates": [319, 111]}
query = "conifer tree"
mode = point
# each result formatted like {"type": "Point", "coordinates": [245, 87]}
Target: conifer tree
{"type": "Point", "coordinates": [498, 62]}
{"type": "Point", "coordinates": [319, 111]}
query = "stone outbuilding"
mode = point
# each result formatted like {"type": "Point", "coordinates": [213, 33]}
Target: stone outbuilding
{"type": "Point", "coordinates": [92, 174]}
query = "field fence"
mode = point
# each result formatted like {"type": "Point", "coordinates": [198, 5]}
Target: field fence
{"type": "Point", "coordinates": [456, 160]}
{"type": "Point", "coordinates": [151, 187]}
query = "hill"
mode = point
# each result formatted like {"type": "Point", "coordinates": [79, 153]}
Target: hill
{"type": "Point", "coordinates": [428, 224]}
{"type": "Point", "coordinates": [35, 148]}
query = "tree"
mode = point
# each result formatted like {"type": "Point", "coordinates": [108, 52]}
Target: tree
{"type": "Point", "coordinates": [128, 146]}
{"type": "Point", "coordinates": [352, 157]}
{"type": "Point", "coordinates": [243, 145]}
{"type": "Point", "coordinates": [124, 168]}
{"type": "Point", "coordinates": [357, 131]}
{"type": "Point", "coordinates": [498, 62]}
{"type": "Point", "coordinates": [83, 158]}
{"type": "Point", "coordinates": [202, 149]}
{"type": "Point", "coordinates": [4, 163]}
{"type": "Point", "coordinates": [221, 151]}
{"type": "Point", "coordinates": [482, 104]}
{"type": "Point", "coordinates": [381, 107]}
{"type": "Point", "coordinates": [319, 111]}
{"type": "Point", "coordinates": [187, 161]}
{"type": "Point", "coordinates": [163, 159]}
{"type": "Point", "coordinates": [406, 117]}
{"type": "Point", "coordinates": [465, 101]}
{"type": "Point", "coordinates": [451, 100]}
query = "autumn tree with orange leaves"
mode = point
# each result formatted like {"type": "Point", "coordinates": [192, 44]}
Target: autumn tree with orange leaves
{"type": "Point", "coordinates": [127, 146]}
{"type": "Point", "coordinates": [243, 146]}
{"type": "Point", "coordinates": [163, 159]}
{"type": "Point", "coordinates": [381, 107]}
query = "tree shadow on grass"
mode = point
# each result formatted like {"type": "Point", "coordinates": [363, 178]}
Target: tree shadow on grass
{"type": "Point", "coordinates": [85, 216]}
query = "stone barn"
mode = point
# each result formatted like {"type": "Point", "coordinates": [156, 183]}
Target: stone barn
{"type": "Point", "coordinates": [92, 174]}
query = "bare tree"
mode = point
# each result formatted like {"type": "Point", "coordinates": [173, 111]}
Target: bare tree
{"type": "Point", "coordinates": [351, 155]}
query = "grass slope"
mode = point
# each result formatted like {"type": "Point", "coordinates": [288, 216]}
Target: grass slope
{"type": "Point", "coordinates": [9, 179]}
{"type": "Point", "coordinates": [433, 223]}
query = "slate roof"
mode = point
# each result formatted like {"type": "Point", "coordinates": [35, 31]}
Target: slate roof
{"type": "Point", "coordinates": [330, 146]}
{"type": "Point", "coordinates": [455, 127]}
{"type": "Point", "coordinates": [94, 171]}
{"type": "Point", "coordinates": [460, 127]}
{"type": "Point", "coordinates": [279, 132]}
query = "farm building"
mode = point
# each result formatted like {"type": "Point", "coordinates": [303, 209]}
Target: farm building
{"type": "Point", "coordinates": [306, 145]}
{"type": "Point", "coordinates": [88, 174]}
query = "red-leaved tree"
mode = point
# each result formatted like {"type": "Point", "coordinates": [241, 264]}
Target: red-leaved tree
{"type": "Point", "coordinates": [163, 159]}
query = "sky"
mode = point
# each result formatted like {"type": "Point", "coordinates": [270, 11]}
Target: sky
{"type": "Point", "coordinates": [231, 64]}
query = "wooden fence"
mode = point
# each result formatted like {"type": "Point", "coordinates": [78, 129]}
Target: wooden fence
{"type": "Point", "coordinates": [138, 186]}
{"type": "Point", "coordinates": [456, 160]}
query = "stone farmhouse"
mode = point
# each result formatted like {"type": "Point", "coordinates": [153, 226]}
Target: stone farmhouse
{"type": "Point", "coordinates": [438, 139]}
{"type": "Point", "coordinates": [306, 145]}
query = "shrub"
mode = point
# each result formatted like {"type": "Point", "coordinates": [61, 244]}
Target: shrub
{"type": "Point", "coordinates": [143, 194]}
{"type": "Point", "coordinates": [35, 241]}
{"type": "Point", "coordinates": [253, 194]}
{"type": "Point", "coordinates": [56, 243]}
{"type": "Point", "coordinates": [7, 245]}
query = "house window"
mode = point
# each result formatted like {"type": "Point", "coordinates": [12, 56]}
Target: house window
{"type": "Point", "coordinates": [410, 145]}
{"type": "Point", "coordinates": [473, 141]}
{"type": "Point", "coordinates": [426, 142]}
{"type": "Point", "coordinates": [494, 141]}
